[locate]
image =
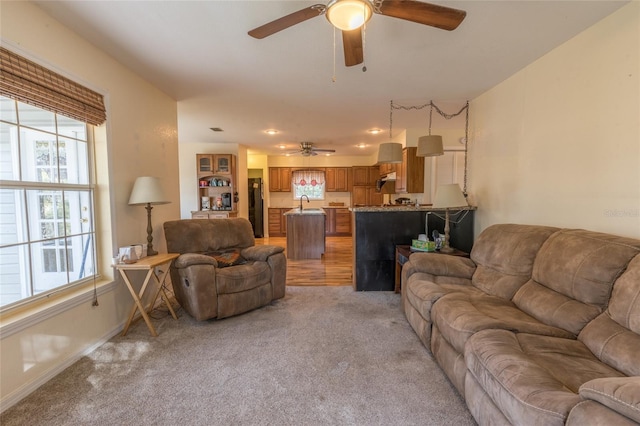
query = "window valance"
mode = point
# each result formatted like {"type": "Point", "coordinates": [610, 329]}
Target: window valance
{"type": "Point", "coordinates": [33, 84]}
{"type": "Point", "coordinates": [307, 177]}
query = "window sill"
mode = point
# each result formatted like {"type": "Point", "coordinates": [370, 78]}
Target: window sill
{"type": "Point", "coordinates": [23, 317]}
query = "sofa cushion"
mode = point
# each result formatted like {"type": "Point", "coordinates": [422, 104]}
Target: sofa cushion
{"type": "Point", "coordinates": [573, 275]}
{"type": "Point", "coordinates": [590, 412]}
{"type": "Point", "coordinates": [530, 376]}
{"type": "Point", "coordinates": [207, 235]}
{"type": "Point", "coordinates": [242, 277]}
{"type": "Point", "coordinates": [624, 306]}
{"type": "Point", "coordinates": [504, 255]}
{"type": "Point", "coordinates": [621, 394]}
{"type": "Point", "coordinates": [614, 336]}
{"type": "Point", "coordinates": [458, 316]}
{"type": "Point", "coordinates": [422, 293]}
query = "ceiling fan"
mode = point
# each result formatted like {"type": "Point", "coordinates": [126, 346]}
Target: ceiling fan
{"type": "Point", "coordinates": [307, 150]}
{"type": "Point", "coordinates": [350, 15]}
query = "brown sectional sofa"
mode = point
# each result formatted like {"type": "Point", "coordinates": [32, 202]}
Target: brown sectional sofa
{"type": "Point", "coordinates": [541, 326]}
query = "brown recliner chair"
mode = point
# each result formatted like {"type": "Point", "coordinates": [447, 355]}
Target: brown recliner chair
{"type": "Point", "coordinates": [220, 271]}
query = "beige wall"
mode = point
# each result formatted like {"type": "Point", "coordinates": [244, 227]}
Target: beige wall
{"type": "Point", "coordinates": [139, 138]}
{"type": "Point", "coordinates": [558, 143]}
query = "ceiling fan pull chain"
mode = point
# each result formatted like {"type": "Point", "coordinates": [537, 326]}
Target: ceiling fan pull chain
{"type": "Point", "coordinates": [364, 38]}
{"type": "Point", "coordinates": [333, 79]}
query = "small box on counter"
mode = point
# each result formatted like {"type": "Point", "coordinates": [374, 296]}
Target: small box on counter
{"type": "Point", "coordinates": [420, 245]}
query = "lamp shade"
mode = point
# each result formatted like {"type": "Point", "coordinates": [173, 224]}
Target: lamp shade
{"type": "Point", "coordinates": [348, 15]}
{"type": "Point", "coordinates": [390, 152]}
{"type": "Point", "coordinates": [147, 190]}
{"type": "Point", "coordinates": [429, 146]}
{"type": "Point", "coordinates": [449, 196]}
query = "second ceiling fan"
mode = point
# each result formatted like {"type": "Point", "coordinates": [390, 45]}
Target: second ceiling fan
{"type": "Point", "coordinates": [350, 15]}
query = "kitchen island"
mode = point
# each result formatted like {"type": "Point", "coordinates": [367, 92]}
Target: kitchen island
{"type": "Point", "coordinates": [305, 233]}
{"type": "Point", "coordinates": [378, 230]}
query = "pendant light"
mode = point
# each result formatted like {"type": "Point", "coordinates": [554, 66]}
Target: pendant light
{"type": "Point", "coordinates": [390, 152]}
{"type": "Point", "coordinates": [431, 145]}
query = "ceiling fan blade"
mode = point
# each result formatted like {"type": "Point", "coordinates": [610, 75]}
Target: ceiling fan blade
{"type": "Point", "coordinates": [287, 21]}
{"type": "Point", "coordinates": [323, 150]}
{"type": "Point", "coordinates": [442, 17]}
{"type": "Point", "coordinates": [352, 44]}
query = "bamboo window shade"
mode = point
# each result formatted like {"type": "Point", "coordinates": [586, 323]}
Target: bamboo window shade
{"type": "Point", "coordinates": [33, 84]}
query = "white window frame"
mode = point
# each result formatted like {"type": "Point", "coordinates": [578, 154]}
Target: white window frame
{"type": "Point", "coordinates": [76, 235]}
{"type": "Point", "coordinates": [315, 180]}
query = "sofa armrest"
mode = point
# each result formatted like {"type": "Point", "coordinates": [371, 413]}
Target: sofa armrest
{"type": "Point", "coordinates": [189, 259]}
{"type": "Point", "coordinates": [620, 394]}
{"type": "Point", "coordinates": [261, 252]}
{"type": "Point", "coordinates": [442, 265]}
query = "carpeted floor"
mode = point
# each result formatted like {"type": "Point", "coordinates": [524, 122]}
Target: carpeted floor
{"type": "Point", "coordinates": [320, 356]}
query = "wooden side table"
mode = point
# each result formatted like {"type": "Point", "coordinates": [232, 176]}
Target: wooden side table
{"type": "Point", "coordinates": [148, 264]}
{"type": "Point", "coordinates": [402, 256]}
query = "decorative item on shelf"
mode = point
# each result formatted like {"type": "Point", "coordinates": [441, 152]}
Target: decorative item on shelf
{"type": "Point", "coordinates": [147, 190]}
{"type": "Point", "coordinates": [447, 197]}
{"type": "Point", "coordinates": [206, 203]}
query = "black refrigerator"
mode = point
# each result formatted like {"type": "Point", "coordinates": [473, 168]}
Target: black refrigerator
{"type": "Point", "coordinates": [256, 210]}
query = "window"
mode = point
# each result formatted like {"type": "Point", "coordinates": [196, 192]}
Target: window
{"type": "Point", "coordinates": [308, 182]}
{"type": "Point", "coordinates": [47, 235]}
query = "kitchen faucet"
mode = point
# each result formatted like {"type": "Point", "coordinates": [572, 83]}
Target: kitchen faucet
{"type": "Point", "coordinates": [303, 195]}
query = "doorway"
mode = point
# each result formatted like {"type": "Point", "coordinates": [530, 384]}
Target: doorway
{"type": "Point", "coordinates": [255, 198]}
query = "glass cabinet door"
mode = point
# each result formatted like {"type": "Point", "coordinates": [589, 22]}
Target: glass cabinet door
{"type": "Point", "coordinates": [204, 163]}
{"type": "Point", "coordinates": [223, 164]}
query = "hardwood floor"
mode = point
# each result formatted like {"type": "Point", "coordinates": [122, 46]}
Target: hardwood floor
{"type": "Point", "coordinates": [334, 269]}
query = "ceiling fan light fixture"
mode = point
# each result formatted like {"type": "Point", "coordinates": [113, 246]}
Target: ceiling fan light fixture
{"type": "Point", "coordinates": [347, 15]}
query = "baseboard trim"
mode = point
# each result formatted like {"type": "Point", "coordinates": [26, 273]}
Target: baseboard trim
{"type": "Point", "coordinates": [26, 389]}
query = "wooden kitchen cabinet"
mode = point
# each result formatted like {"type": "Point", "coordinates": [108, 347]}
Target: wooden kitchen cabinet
{"type": "Point", "coordinates": [277, 222]}
{"type": "Point", "coordinates": [280, 179]}
{"type": "Point", "coordinates": [365, 196]}
{"type": "Point", "coordinates": [360, 175]}
{"type": "Point", "coordinates": [363, 192]}
{"type": "Point", "coordinates": [343, 222]}
{"type": "Point", "coordinates": [338, 221]}
{"type": "Point", "coordinates": [410, 173]}
{"type": "Point", "coordinates": [387, 168]}
{"type": "Point", "coordinates": [337, 179]}
{"type": "Point", "coordinates": [365, 175]}
{"type": "Point", "coordinates": [214, 164]}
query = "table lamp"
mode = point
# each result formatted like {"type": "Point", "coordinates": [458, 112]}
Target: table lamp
{"type": "Point", "coordinates": [147, 190]}
{"type": "Point", "coordinates": [447, 197]}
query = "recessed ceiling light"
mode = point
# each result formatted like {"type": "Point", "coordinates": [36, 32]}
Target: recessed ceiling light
{"type": "Point", "coordinates": [271, 131]}
{"type": "Point", "coordinates": [282, 146]}
{"type": "Point", "coordinates": [374, 131]}
{"type": "Point", "coordinates": [361, 145]}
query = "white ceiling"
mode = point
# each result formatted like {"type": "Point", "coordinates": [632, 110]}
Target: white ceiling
{"type": "Point", "coordinates": [199, 53]}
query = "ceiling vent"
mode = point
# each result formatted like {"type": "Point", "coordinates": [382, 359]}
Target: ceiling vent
{"type": "Point", "coordinates": [217, 129]}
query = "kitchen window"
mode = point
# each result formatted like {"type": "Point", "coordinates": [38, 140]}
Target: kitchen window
{"type": "Point", "coordinates": [308, 182]}
{"type": "Point", "coordinates": [47, 234]}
